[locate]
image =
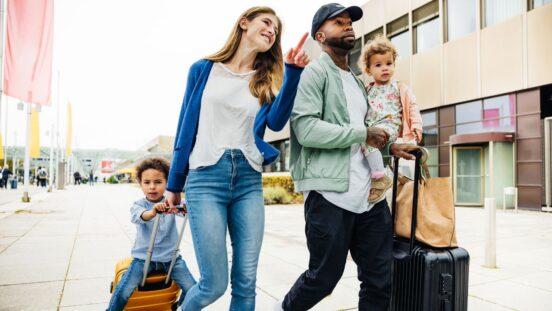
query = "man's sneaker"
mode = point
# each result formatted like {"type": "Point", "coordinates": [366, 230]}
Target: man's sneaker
{"type": "Point", "coordinates": [378, 188]}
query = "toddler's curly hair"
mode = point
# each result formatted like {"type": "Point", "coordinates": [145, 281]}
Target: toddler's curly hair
{"type": "Point", "coordinates": [155, 163]}
{"type": "Point", "coordinates": [380, 45]}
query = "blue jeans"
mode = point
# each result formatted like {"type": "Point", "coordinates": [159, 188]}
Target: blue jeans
{"type": "Point", "coordinates": [133, 276]}
{"type": "Point", "coordinates": [225, 195]}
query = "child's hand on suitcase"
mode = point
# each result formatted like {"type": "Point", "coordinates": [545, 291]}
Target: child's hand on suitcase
{"type": "Point", "coordinates": [160, 207]}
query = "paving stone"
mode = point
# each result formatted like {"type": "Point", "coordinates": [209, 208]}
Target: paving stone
{"type": "Point", "coordinates": [31, 296]}
{"type": "Point", "coordinates": [76, 236]}
{"type": "Point", "coordinates": [513, 295]}
{"type": "Point", "coordinates": [86, 291]}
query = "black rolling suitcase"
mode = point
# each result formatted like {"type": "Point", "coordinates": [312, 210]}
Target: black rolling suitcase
{"type": "Point", "coordinates": [426, 278]}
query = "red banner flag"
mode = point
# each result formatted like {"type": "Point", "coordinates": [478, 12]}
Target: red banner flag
{"type": "Point", "coordinates": [29, 41]}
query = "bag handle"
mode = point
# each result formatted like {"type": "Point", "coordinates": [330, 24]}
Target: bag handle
{"type": "Point", "coordinates": [150, 249]}
{"type": "Point", "coordinates": [419, 154]}
{"type": "Point", "coordinates": [176, 248]}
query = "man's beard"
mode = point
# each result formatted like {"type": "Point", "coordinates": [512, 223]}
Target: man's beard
{"type": "Point", "coordinates": [340, 43]}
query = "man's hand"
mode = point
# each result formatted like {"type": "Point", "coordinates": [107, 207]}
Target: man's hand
{"type": "Point", "coordinates": [172, 199]}
{"type": "Point", "coordinates": [376, 137]}
{"type": "Point", "coordinates": [402, 151]}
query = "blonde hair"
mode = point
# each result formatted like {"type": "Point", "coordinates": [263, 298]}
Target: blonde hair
{"type": "Point", "coordinates": [269, 65]}
{"type": "Point", "coordinates": [380, 45]}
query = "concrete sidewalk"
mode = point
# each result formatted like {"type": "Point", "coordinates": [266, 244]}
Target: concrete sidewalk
{"type": "Point", "coordinates": [59, 253]}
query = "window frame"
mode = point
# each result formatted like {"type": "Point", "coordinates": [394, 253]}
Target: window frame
{"type": "Point", "coordinates": [424, 14]}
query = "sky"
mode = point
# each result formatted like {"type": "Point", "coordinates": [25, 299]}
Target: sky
{"type": "Point", "coordinates": [123, 64]}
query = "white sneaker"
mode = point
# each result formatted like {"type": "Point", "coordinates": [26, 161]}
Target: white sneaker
{"type": "Point", "coordinates": [278, 305]}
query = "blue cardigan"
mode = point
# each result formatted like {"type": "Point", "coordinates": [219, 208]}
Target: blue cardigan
{"type": "Point", "coordinates": [274, 115]}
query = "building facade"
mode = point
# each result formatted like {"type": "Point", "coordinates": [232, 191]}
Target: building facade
{"type": "Point", "coordinates": [481, 71]}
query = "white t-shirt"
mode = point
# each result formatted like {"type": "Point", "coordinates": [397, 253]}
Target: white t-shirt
{"type": "Point", "coordinates": [356, 198]}
{"type": "Point", "coordinates": [228, 111]}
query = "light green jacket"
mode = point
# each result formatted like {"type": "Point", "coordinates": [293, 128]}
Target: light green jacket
{"type": "Point", "coordinates": [321, 133]}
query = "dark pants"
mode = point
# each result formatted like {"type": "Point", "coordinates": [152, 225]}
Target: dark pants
{"type": "Point", "coordinates": [331, 233]}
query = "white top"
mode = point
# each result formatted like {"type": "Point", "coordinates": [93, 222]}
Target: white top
{"type": "Point", "coordinates": [228, 110]}
{"type": "Point", "coordinates": [356, 198]}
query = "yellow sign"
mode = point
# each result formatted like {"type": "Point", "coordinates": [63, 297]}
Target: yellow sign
{"type": "Point", "coordinates": [1, 148]}
{"type": "Point", "coordinates": [35, 135]}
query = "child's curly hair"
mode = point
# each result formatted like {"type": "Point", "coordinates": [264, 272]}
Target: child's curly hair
{"type": "Point", "coordinates": [379, 45]}
{"type": "Point", "coordinates": [155, 163]}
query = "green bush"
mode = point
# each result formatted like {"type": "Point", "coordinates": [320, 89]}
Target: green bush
{"type": "Point", "coordinates": [285, 182]}
{"type": "Point", "coordinates": [279, 181]}
{"type": "Point", "coordinates": [276, 195]}
{"type": "Point", "coordinates": [112, 180]}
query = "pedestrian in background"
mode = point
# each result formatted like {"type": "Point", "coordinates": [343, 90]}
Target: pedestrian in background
{"type": "Point", "coordinates": [5, 175]}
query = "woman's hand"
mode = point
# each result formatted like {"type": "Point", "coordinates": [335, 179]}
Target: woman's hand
{"type": "Point", "coordinates": [172, 199]}
{"type": "Point", "coordinates": [297, 56]}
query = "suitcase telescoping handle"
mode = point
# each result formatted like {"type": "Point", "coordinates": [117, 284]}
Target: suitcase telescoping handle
{"type": "Point", "coordinates": [150, 249]}
{"type": "Point", "coordinates": [419, 153]}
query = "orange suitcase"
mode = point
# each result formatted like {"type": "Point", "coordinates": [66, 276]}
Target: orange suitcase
{"type": "Point", "coordinates": [157, 291]}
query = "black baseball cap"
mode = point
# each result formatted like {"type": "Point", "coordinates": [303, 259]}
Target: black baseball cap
{"type": "Point", "coordinates": [331, 10]}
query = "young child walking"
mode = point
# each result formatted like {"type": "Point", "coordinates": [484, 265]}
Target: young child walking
{"type": "Point", "coordinates": [152, 175]}
{"type": "Point", "coordinates": [393, 108]}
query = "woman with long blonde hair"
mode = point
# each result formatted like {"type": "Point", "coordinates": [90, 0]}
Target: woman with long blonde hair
{"type": "Point", "coordinates": [231, 97]}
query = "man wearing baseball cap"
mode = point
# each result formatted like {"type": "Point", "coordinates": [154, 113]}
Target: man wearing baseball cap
{"type": "Point", "coordinates": [327, 129]}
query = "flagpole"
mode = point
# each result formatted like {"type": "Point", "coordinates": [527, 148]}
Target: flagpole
{"type": "Point", "coordinates": [58, 150]}
{"type": "Point", "coordinates": [6, 128]}
{"type": "Point", "coordinates": [51, 170]}
{"type": "Point", "coordinates": [26, 197]}
{"type": "Point", "coordinates": [2, 30]}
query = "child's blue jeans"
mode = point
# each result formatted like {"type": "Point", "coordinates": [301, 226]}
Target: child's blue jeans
{"type": "Point", "coordinates": [133, 276]}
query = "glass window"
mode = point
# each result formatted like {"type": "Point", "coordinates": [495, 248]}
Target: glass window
{"type": "Point", "coordinates": [460, 18]}
{"type": "Point", "coordinates": [499, 113]}
{"type": "Point", "coordinates": [497, 11]}
{"type": "Point", "coordinates": [468, 177]}
{"type": "Point", "coordinates": [429, 118]}
{"type": "Point", "coordinates": [430, 137]}
{"type": "Point", "coordinates": [354, 57]}
{"type": "Point", "coordinates": [426, 25]}
{"type": "Point", "coordinates": [539, 3]}
{"type": "Point", "coordinates": [399, 35]}
{"type": "Point", "coordinates": [427, 35]}
{"type": "Point", "coordinates": [371, 35]}
{"type": "Point", "coordinates": [468, 117]}
{"type": "Point", "coordinates": [433, 161]}
{"type": "Point", "coordinates": [431, 140]}
{"type": "Point", "coordinates": [402, 43]}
